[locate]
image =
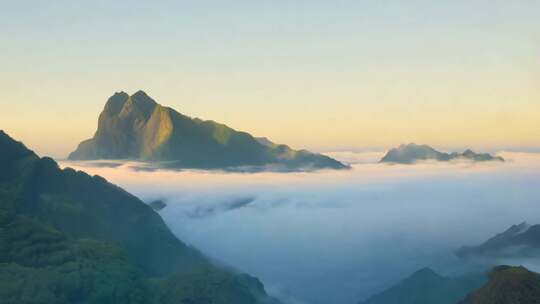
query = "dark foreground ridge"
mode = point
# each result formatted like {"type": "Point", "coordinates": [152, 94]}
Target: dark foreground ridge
{"type": "Point", "coordinates": [411, 153]}
{"type": "Point", "coordinates": [137, 127]}
{"type": "Point", "coordinates": [67, 237]}
{"type": "Point", "coordinates": [508, 285]}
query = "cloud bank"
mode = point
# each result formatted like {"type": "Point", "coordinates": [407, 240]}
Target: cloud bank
{"type": "Point", "coordinates": [339, 236]}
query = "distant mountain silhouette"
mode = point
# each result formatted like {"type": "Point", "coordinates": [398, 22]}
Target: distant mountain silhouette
{"type": "Point", "coordinates": [508, 285]}
{"type": "Point", "coordinates": [137, 127]}
{"type": "Point", "coordinates": [503, 285]}
{"type": "Point", "coordinates": [68, 237]}
{"type": "Point", "coordinates": [427, 287]}
{"type": "Point", "coordinates": [411, 153]}
{"type": "Point", "coordinates": [518, 241]}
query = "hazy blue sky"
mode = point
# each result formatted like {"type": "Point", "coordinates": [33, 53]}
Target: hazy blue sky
{"type": "Point", "coordinates": [316, 74]}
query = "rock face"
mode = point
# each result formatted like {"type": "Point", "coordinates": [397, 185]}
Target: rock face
{"type": "Point", "coordinates": [519, 241]}
{"type": "Point", "coordinates": [67, 237]}
{"type": "Point", "coordinates": [136, 127]}
{"type": "Point", "coordinates": [427, 287]}
{"type": "Point", "coordinates": [508, 285]}
{"type": "Point", "coordinates": [411, 153]}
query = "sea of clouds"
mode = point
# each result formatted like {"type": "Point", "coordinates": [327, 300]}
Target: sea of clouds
{"type": "Point", "coordinates": [339, 236]}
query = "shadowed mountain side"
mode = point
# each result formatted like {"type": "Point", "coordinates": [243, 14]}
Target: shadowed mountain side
{"type": "Point", "coordinates": [518, 241]}
{"type": "Point", "coordinates": [411, 153]}
{"type": "Point", "coordinates": [67, 237]}
{"type": "Point", "coordinates": [508, 285]}
{"type": "Point", "coordinates": [427, 287]}
{"type": "Point", "coordinates": [136, 127]}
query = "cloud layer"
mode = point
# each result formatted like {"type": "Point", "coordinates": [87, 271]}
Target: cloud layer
{"type": "Point", "coordinates": [339, 236]}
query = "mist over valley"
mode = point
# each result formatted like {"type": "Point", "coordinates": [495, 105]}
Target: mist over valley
{"type": "Point", "coordinates": [340, 236]}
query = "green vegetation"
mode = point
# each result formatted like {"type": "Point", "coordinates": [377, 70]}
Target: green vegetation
{"type": "Point", "coordinates": [508, 285]}
{"type": "Point", "coordinates": [67, 237]}
{"type": "Point", "coordinates": [136, 127]}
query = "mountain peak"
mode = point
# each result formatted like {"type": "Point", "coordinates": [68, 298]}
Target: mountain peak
{"type": "Point", "coordinates": [121, 93]}
{"type": "Point", "coordinates": [137, 127]}
{"type": "Point", "coordinates": [511, 232]}
{"type": "Point", "coordinates": [426, 286]}
{"type": "Point", "coordinates": [115, 103]}
{"type": "Point", "coordinates": [141, 94]}
{"type": "Point", "coordinates": [140, 104]}
{"type": "Point", "coordinates": [411, 153]}
{"type": "Point", "coordinates": [120, 100]}
{"type": "Point", "coordinates": [517, 240]}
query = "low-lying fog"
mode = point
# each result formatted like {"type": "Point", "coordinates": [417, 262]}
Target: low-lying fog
{"type": "Point", "coordinates": [339, 236]}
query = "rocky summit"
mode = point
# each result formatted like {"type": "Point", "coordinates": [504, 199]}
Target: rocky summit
{"type": "Point", "coordinates": [136, 127]}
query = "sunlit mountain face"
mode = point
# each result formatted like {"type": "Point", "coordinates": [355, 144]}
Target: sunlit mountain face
{"type": "Point", "coordinates": [136, 127]}
{"type": "Point", "coordinates": [340, 236]}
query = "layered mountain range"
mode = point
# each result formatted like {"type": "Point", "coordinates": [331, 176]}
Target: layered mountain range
{"type": "Point", "coordinates": [137, 127]}
{"type": "Point", "coordinates": [68, 237]}
{"type": "Point", "coordinates": [503, 285]}
{"type": "Point", "coordinates": [518, 241]}
{"type": "Point", "coordinates": [412, 153]}
{"type": "Point", "coordinates": [425, 286]}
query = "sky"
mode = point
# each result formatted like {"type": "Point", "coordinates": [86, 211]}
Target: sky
{"type": "Point", "coordinates": [322, 75]}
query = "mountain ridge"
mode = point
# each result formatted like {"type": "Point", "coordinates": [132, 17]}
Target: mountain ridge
{"type": "Point", "coordinates": [520, 241]}
{"type": "Point", "coordinates": [68, 237]}
{"type": "Point", "coordinates": [507, 285]}
{"type": "Point", "coordinates": [412, 153]}
{"type": "Point", "coordinates": [425, 286]}
{"type": "Point", "coordinates": [137, 127]}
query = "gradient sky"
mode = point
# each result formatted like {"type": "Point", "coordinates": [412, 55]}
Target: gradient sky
{"type": "Point", "coordinates": [315, 74]}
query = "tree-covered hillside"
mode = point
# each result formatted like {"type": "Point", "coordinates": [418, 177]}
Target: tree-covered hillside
{"type": "Point", "coordinates": [67, 237]}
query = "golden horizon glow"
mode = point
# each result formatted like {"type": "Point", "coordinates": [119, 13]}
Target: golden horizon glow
{"type": "Point", "coordinates": [349, 127]}
{"type": "Point", "coordinates": [358, 76]}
